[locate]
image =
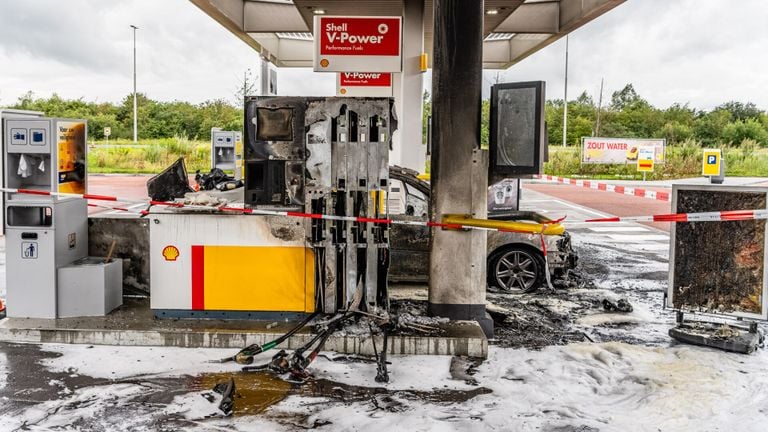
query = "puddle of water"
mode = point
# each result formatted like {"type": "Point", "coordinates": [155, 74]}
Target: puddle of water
{"type": "Point", "coordinates": [254, 391]}
{"type": "Point", "coordinates": [257, 391]}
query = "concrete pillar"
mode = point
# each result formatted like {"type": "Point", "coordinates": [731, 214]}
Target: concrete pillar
{"type": "Point", "coordinates": [408, 150]}
{"type": "Point", "coordinates": [459, 176]}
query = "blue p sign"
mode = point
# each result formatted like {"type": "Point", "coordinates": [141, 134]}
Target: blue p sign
{"type": "Point", "coordinates": [711, 159]}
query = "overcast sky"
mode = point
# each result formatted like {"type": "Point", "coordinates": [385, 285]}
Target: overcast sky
{"type": "Point", "coordinates": [701, 52]}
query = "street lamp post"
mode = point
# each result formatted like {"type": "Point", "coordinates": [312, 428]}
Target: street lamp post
{"type": "Point", "coordinates": [135, 119]}
{"type": "Point", "coordinates": [565, 97]}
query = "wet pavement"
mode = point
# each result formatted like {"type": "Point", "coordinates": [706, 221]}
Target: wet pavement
{"type": "Point", "coordinates": [38, 398]}
{"type": "Point", "coordinates": [616, 261]}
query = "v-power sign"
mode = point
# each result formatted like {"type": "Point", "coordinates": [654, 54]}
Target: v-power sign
{"type": "Point", "coordinates": [358, 44]}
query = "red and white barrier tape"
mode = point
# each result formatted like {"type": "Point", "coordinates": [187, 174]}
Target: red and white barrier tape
{"type": "Point", "coordinates": [247, 211]}
{"type": "Point", "coordinates": [732, 215]}
{"type": "Point", "coordinates": [624, 190]}
{"type": "Point", "coordinates": [721, 216]}
{"type": "Point", "coordinates": [73, 195]}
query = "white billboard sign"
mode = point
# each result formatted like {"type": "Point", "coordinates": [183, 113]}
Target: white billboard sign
{"type": "Point", "coordinates": [619, 150]}
{"type": "Point", "coordinates": [357, 44]}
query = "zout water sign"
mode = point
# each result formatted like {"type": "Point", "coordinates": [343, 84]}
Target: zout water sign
{"type": "Point", "coordinates": [357, 44]}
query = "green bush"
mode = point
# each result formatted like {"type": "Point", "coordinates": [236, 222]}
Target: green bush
{"type": "Point", "coordinates": [735, 133]}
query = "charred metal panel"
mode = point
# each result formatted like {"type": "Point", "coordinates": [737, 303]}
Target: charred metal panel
{"type": "Point", "coordinates": [131, 236]}
{"type": "Point", "coordinates": [719, 267]}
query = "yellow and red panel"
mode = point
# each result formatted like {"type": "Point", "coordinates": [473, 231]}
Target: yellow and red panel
{"type": "Point", "coordinates": [253, 278]}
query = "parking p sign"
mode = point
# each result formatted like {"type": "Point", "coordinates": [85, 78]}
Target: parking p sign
{"type": "Point", "coordinates": [711, 162]}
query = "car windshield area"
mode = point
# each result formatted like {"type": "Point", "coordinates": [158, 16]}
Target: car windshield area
{"type": "Point", "coordinates": [406, 200]}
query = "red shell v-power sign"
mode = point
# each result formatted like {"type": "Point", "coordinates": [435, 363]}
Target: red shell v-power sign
{"type": "Point", "coordinates": [357, 44]}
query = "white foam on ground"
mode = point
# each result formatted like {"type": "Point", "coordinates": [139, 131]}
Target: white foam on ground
{"type": "Point", "coordinates": [608, 387]}
{"type": "Point", "coordinates": [117, 362]}
{"type": "Point", "coordinates": [87, 404]}
{"type": "Point", "coordinates": [406, 373]}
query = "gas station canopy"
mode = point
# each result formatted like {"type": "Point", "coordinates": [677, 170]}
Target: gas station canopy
{"type": "Point", "coordinates": [281, 30]}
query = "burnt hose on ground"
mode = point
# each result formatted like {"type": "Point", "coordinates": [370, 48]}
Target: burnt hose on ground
{"type": "Point", "coordinates": [245, 355]}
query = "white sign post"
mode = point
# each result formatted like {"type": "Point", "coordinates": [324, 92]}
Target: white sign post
{"type": "Point", "coordinates": [357, 44]}
{"type": "Point", "coordinates": [107, 133]}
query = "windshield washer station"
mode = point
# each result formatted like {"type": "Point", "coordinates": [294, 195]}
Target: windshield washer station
{"type": "Point", "coordinates": [46, 233]}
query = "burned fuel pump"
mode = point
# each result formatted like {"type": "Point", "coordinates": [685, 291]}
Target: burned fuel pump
{"type": "Point", "coordinates": [327, 156]}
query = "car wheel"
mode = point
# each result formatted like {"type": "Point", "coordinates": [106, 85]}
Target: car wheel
{"type": "Point", "coordinates": [516, 269]}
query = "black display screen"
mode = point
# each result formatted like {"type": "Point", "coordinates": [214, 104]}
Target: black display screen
{"type": "Point", "coordinates": [516, 129]}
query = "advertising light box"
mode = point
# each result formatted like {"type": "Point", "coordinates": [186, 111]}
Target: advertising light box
{"type": "Point", "coordinates": [374, 84]}
{"type": "Point", "coordinates": [619, 150]}
{"type": "Point", "coordinates": [517, 132]}
{"type": "Point", "coordinates": [357, 44]}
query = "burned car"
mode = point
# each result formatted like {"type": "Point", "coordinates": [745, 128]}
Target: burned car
{"type": "Point", "coordinates": [515, 260]}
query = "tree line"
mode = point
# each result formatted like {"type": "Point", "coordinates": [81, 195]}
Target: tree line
{"type": "Point", "coordinates": [626, 115]}
{"type": "Point", "coordinates": [156, 119]}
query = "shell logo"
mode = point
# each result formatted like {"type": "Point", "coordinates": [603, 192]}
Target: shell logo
{"type": "Point", "coordinates": [324, 63]}
{"type": "Point", "coordinates": [170, 253]}
{"type": "Point", "coordinates": [343, 91]}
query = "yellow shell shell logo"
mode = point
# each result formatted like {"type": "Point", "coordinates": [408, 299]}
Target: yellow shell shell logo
{"type": "Point", "coordinates": [170, 253]}
{"type": "Point", "coordinates": [324, 63]}
{"type": "Point", "coordinates": [343, 91]}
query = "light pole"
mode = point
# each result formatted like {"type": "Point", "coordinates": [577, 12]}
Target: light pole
{"type": "Point", "coordinates": [565, 97]}
{"type": "Point", "coordinates": [135, 120]}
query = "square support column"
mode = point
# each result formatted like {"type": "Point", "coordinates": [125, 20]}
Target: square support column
{"type": "Point", "coordinates": [459, 176]}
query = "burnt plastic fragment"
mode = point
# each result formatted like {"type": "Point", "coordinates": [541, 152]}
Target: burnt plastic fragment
{"type": "Point", "coordinates": [169, 184]}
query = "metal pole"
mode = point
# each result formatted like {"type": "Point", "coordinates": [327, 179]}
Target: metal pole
{"type": "Point", "coordinates": [135, 120]}
{"type": "Point", "coordinates": [565, 97]}
{"type": "Point", "coordinates": [599, 108]}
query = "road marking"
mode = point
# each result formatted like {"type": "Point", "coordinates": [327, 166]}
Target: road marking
{"type": "Point", "coordinates": [618, 229]}
{"type": "Point", "coordinates": [584, 209]}
{"type": "Point", "coordinates": [637, 237]}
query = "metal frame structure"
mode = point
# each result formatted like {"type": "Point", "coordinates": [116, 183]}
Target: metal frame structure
{"type": "Point", "coordinates": [669, 295]}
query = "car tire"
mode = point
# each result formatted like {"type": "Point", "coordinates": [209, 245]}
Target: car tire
{"type": "Point", "coordinates": [516, 269]}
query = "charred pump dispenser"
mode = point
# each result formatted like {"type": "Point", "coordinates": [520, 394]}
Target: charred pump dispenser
{"type": "Point", "coordinates": [327, 156]}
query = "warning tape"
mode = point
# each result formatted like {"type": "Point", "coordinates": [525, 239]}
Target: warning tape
{"type": "Point", "coordinates": [260, 212]}
{"type": "Point", "coordinates": [719, 216]}
{"type": "Point", "coordinates": [624, 190]}
{"type": "Point", "coordinates": [73, 195]}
